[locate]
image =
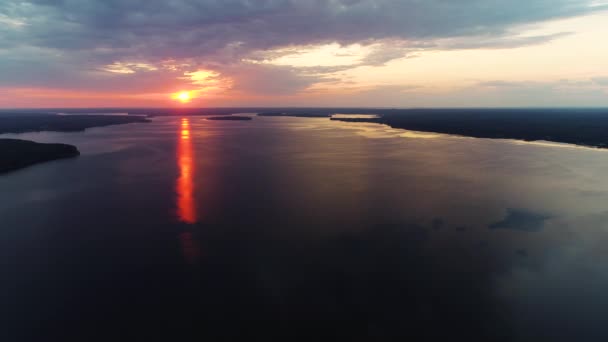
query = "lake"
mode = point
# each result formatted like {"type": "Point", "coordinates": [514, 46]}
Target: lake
{"type": "Point", "coordinates": [300, 228]}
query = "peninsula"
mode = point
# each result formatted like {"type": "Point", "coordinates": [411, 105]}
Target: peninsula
{"type": "Point", "coordinates": [16, 154]}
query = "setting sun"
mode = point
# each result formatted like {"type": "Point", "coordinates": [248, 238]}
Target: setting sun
{"type": "Point", "coordinates": [183, 97]}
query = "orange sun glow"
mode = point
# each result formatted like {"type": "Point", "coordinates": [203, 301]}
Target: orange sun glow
{"type": "Point", "coordinates": [183, 96]}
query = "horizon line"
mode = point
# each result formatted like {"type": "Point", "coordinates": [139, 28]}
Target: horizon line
{"type": "Point", "coordinates": [298, 107]}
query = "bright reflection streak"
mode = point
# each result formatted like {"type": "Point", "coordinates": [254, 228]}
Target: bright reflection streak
{"type": "Point", "coordinates": [186, 206]}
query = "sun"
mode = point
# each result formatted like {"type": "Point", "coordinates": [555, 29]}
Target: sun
{"type": "Point", "coordinates": [183, 96]}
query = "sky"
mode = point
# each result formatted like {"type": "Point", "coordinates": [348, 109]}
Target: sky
{"type": "Point", "coordinates": [332, 53]}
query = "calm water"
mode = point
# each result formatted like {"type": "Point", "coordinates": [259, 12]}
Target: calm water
{"type": "Point", "coordinates": [298, 228]}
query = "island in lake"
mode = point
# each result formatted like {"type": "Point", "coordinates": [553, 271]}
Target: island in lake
{"type": "Point", "coordinates": [229, 118]}
{"type": "Point", "coordinates": [16, 154]}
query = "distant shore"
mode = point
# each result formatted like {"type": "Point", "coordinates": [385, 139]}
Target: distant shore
{"type": "Point", "coordinates": [16, 154]}
{"type": "Point", "coordinates": [583, 127]}
{"type": "Point", "coordinates": [578, 126]}
{"type": "Point", "coordinates": [62, 123]}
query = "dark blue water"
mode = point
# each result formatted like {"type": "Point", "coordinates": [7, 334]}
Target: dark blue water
{"type": "Point", "coordinates": [297, 228]}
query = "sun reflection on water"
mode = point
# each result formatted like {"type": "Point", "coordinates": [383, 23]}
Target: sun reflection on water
{"type": "Point", "coordinates": [186, 206]}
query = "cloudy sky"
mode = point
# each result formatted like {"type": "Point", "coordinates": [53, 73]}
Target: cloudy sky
{"type": "Point", "coordinates": [390, 53]}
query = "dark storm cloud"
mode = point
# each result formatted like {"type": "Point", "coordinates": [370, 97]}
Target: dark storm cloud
{"type": "Point", "coordinates": [91, 33]}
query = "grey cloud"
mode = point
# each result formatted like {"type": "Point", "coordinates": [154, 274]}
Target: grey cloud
{"type": "Point", "coordinates": [502, 42]}
{"type": "Point", "coordinates": [188, 28]}
{"type": "Point", "coordinates": [385, 53]}
{"type": "Point", "coordinates": [220, 34]}
{"type": "Point", "coordinates": [390, 50]}
{"type": "Point", "coordinates": [35, 68]}
{"type": "Point", "coordinates": [584, 85]}
{"type": "Point", "coordinates": [601, 81]}
{"type": "Point", "coordinates": [261, 79]}
{"type": "Point", "coordinates": [505, 84]}
{"type": "Point", "coordinates": [565, 93]}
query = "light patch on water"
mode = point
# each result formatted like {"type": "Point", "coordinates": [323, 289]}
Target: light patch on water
{"type": "Point", "coordinates": [419, 135]}
{"type": "Point", "coordinates": [354, 116]}
{"type": "Point", "coordinates": [244, 114]}
{"type": "Point", "coordinates": [378, 131]}
{"type": "Point", "coordinates": [553, 144]}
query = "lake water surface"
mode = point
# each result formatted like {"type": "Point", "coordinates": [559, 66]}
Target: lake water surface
{"type": "Point", "coordinates": [302, 228]}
